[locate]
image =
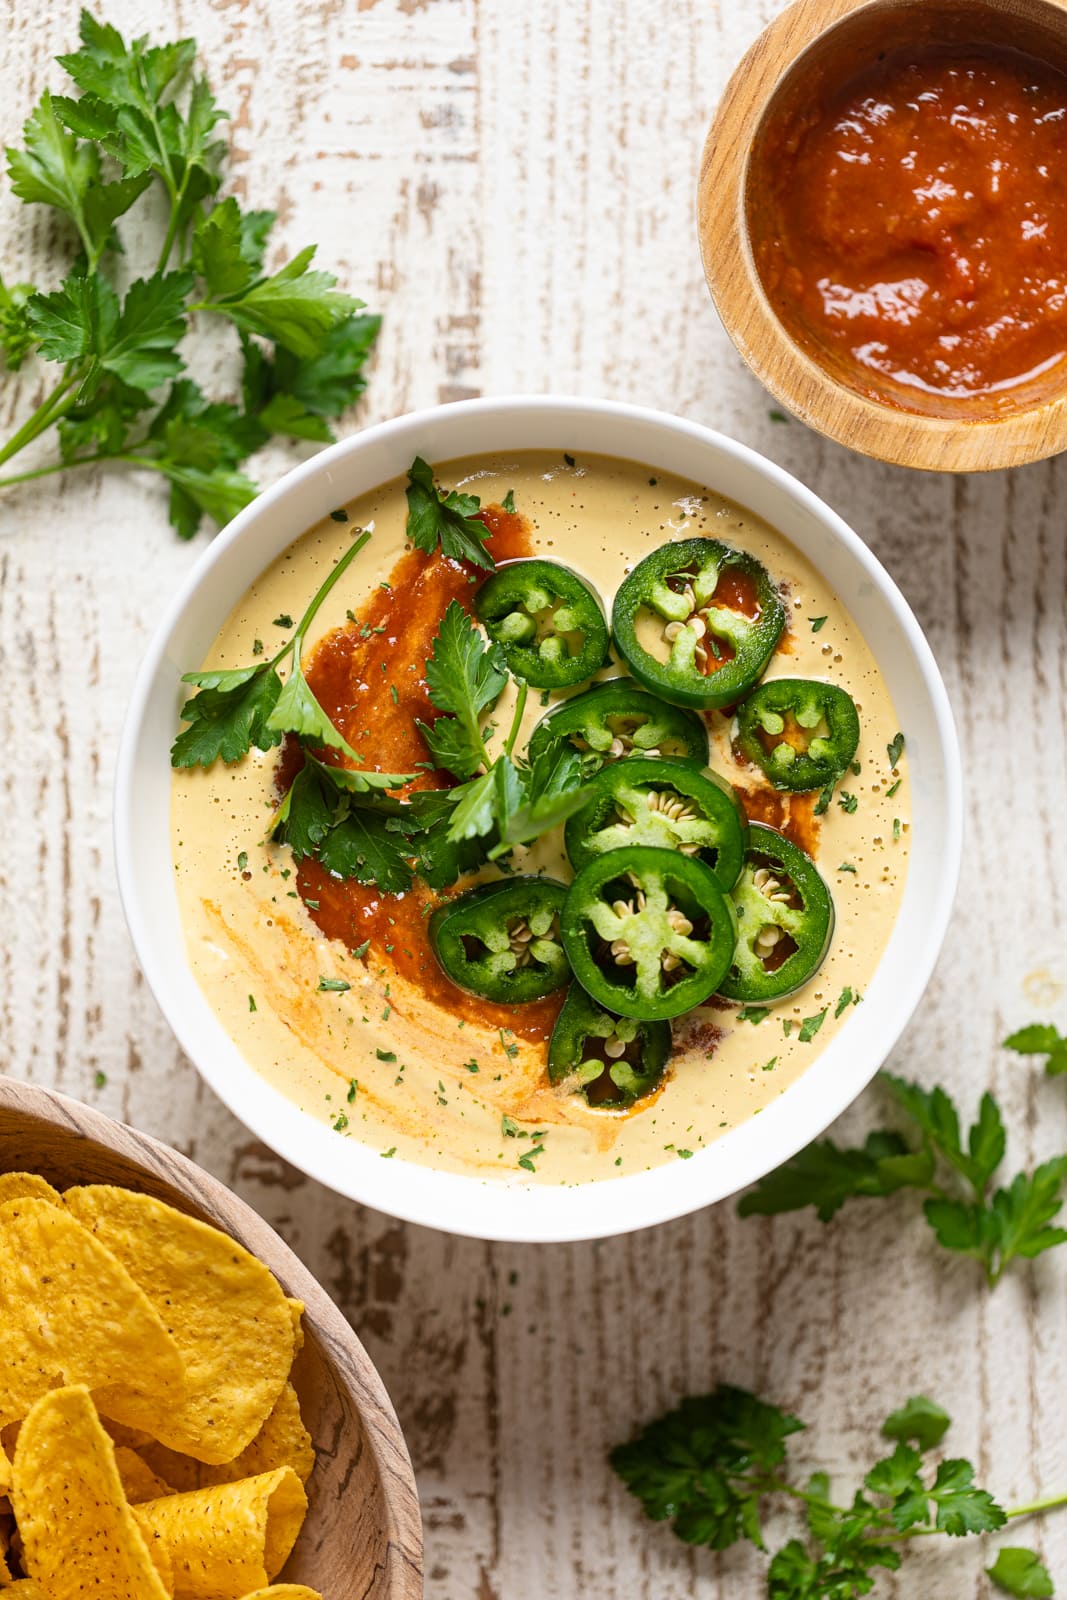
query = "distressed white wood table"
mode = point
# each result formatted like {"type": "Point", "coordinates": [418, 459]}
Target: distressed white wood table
{"type": "Point", "coordinates": [512, 185]}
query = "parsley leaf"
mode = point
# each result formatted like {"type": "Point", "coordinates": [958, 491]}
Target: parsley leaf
{"type": "Point", "coordinates": [16, 336]}
{"type": "Point", "coordinates": [695, 1465]}
{"type": "Point", "coordinates": [295, 306]}
{"type": "Point", "coordinates": [144, 107]}
{"type": "Point", "coordinates": [227, 717]}
{"type": "Point", "coordinates": [920, 1421]}
{"type": "Point", "coordinates": [445, 519]}
{"type": "Point", "coordinates": [1013, 1222]}
{"type": "Point", "coordinates": [711, 1464]}
{"type": "Point", "coordinates": [825, 1176]}
{"type": "Point", "coordinates": [237, 708]}
{"type": "Point", "coordinates": [1020, 1572]}
{"type": "Point", "coordinates": [465, 676]}
{"type": "Point", "coordinates": [1041, 1039]}
{"type": "Point", "coordinates": [321, 815]}
{"type": "Point", "coordinates": [895, 749]}
{"type": "Point", "coordinates": [56, 170]}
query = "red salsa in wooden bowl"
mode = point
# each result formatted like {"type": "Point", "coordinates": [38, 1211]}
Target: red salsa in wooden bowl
{"type": "Point", "coordinates": [909, 227]}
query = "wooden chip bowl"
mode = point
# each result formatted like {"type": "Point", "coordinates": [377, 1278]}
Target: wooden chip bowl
{"type": "Point", "coordinates": [812, 44]}
{"type": "Point", "coordinates": [362, 1539]}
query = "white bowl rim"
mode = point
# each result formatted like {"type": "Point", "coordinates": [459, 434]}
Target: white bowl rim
{"type": "Point", "coordinates": [467, 1204]}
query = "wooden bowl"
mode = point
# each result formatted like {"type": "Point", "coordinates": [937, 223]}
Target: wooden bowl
{"type": "Point", "coordinates": [362, 1539]}
{"type": "Point", "coordinates": [812, 44]}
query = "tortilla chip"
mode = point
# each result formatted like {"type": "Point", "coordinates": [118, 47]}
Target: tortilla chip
{"type": "Point", "coordinates": [79, 1535]}
{"type": "Point", "coordinates": [132, 1438]}
{"type": "Point", "coordinates": [225, 1310]}
{"type": "Point", "coordinates": [284, 1591]}
{"type": "Point", "coordinates": [70, 1312]}
{"type": "Point", "coordinates": [138, 1480]}
{"type": "Point", "coordinates": [27, 1186]}
{"type": "Point", "coordinates": [296, 1311]}
{"type": "Point", "coordinates": [5, 1472]}
{"type": "Point", "coordinates": [229, 1539]}
{"type": "Point", "coordinates": [283, 1441]}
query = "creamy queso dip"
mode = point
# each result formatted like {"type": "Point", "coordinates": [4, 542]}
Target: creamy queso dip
{"type": "Point", "coordinates": [401, 1060]}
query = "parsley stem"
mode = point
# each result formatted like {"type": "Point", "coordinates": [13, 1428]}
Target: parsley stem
{"type": "Point", "coordinates": [309, 615]}
{"type": "Point", "coordinates": [520, 707]}
{"type": "Point", "coordinates": [1036, 1506]}
{"type": "Point", "coordinates": [49, 411]}
{"type": "Point", "coordinates": [46, 472]}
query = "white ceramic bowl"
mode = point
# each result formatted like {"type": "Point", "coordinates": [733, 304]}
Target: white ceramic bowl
{"type": "Point", "coordinates": [471, 1205]}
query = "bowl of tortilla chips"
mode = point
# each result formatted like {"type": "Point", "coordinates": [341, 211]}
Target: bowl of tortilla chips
{"type": "Point", "coordinates": [184, 1412]}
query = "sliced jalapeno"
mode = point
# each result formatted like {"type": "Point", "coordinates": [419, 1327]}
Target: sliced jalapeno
{"type": "Point", "coordinates": [801, 733]}
{"type": "Point", "coordinates": [785, 919]}
{"type": "Point", "coordinates": [666, 803]}
{"type": "Point", "coordinates": [649, 932]}
{"type": "Point", "coordinates": [714, 614]}
{"type": "Point", "coordinates": [501, 941]}
{"type": "Point", "coordinates": [611, 1061]}
{"type": "Point", "coordinates": [547, 622]}
{"type": "Point", "coordinates": [618, 719]}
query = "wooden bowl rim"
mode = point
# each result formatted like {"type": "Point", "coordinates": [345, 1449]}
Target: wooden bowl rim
{"type": "Point", "coordinates": [903, 438]}
{"type": "Point", "coordinates": [381, 1429]}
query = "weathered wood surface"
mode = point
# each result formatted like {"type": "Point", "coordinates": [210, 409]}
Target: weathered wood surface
{"type": "Point", "coordinates": [513, 185]}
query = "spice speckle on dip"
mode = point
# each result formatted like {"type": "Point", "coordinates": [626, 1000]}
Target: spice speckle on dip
{"type": "Point", "coordinates": [331, 988]}
{"type": "Point", "coordinates": [912, 227]}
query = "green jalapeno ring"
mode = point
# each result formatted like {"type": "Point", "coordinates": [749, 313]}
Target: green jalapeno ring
{"type": "Point", "coordinates": [548, 622]}
{"type": "Point", "coordinates": [500, 941]}
{"type": "Point", "coordinates": [671, 804]}
{"type": "Point", "coordinates": [779, 897]}
{"type": "Point", "coordinates": [649, 932]}
{"type": "Point", "coordinates": [611, 1061]}
{"type": "Point", "coordinates": [618, 719]}
{"type": "Point", "coordinates": [811, 704]}
{"type": "Point", "coordinates": [678, 583]}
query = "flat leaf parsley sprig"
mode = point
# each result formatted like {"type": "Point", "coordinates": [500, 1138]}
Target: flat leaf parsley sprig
{"type": "Point", "coordinates": [339, 812]}
{"type": "Point", "coordinates": [710, 1466]}
{"type": "Point", "coordinates": [142, 118]}
{"type": "Point", "coordinates": [967, 1215]}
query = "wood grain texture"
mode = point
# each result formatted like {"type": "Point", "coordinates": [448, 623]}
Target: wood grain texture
{"type": "Point", "coordinates": [513, 185]}
{"type": "Point", "coordinates": [361, 1539]}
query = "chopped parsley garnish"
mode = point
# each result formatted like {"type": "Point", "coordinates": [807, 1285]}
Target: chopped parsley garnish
{"type": "Point", "coordinates": [333, 985]}
{"type": "Point", "coordinates": [811, 1025]}
{"type": "Point", "coordinates": [847, 802]}
{"type": "Point", "coordinates": [846, 866]}
{"type": "Point", "coordinates": [816, 623]}
{"type": "Point", "coordinates": [895, 749]}
{"type": "Point", "coordinates": [753, 1014]}
{"type": "Point", "coordinates": [386, 1055]}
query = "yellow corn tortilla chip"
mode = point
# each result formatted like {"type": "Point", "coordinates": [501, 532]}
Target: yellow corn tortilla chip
{"type": "Point", "coordinates": [283, 1441]}
{"type": "Point", "coordinates": [27, 1186]}
{"type": "Point", "coordinates": [284, 1591]}
{"type": "Point", "coordinates": [229, 1539]}
{"type": "Point", "coordinates": [80, 1538]}
{"type": "Point", "coordinates": [296, 1311]}
{"type": "Point", "coordinates": [224, 1309]}
{"type": "Point", "coordinates": [70, 1312]}
{"type": "Point", "coordinates": [5, 1471]}
{"type": "Point", "coordinates": [139, 1482]}
{"type": "Point", "coordinates": [132, 1438]}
